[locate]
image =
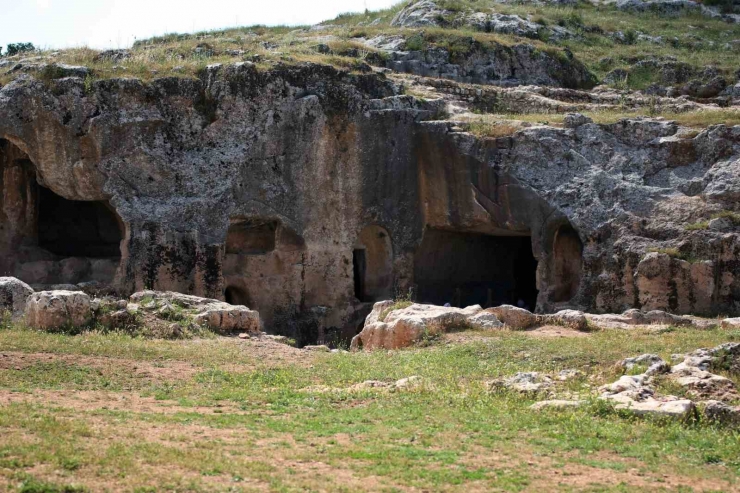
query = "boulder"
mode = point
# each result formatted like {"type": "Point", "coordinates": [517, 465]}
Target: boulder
{"type": "Point", "coordinates": [514, 317]}
{"type": "Point", "coordinates": [215, 315]}
{"type": "Point", "coordinates": [484, 320]}
{"type": "Point", "coordinates": [679, 408]}
{"type": "Point", "coordinates": [13, 296]}
{"type": "Point", "coordinates": [731, 323]}
{"type": "Point", "coordinates": [58, 309]}
{"type": "Point", "coordinates": [392, 329]}
{"type": "Point", "coordinates": [573, 319]}
{"type": "Point", "coordinates": [524, 382]}
{"type": "Point", "coordinates": [720, 413]}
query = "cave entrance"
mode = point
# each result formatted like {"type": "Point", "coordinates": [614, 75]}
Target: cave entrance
{"type": "Point", "coordinates": [466, 269]}
{"type": "Point", "coordinates": [567, 252]}
{"type": "Point", "coordinates": [251, 237]}
{"type": "Point", "coordinates": [236, 296]}
{"type": "Point", "coordinates": [372, 265]}
{"type": "Point", "coordinates": [72, 228]}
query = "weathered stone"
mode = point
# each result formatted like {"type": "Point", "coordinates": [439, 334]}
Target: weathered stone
{"type": "Point", "coordinates": [524, 382]}
{"type": "Point", "coordinates": [408, 383]}
{"type": "Point", "coordinates": [574, 120]}
{"type": "Point", "coordinates": [13, 296]}
{"type": "Point", "coordinates": [213, 314]}
{"type": "Point", "coordinates": [678, 409]}
{"type": "Point", "coordinates": [484, 320]}
{"type": "Point", "coordinates": [720, 413]}
{"type": "Point", "coordinates": [317, 348]}
{"type": "Point", "coordinates": [573, 319]}
{"type": "Point", "coordinates": [405, 326]}
{"type": "Point", "coordinates": [514, 317]}
{"type": "Point", "coordinates": [58, 309]}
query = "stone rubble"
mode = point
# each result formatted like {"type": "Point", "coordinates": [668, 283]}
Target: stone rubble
{"type": "Point", "coordinates": [713, 394]}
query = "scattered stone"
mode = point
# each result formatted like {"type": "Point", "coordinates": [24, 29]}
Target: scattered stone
{"type": "Point", "coordinates": [524, 382]}
{"type": "Point", "coordinates": [679, 408]}
{"type": "Point", "coordinates": [731, 323]}
{"type": "Point", "coordinates": [274, 338]}
{"type": "Point", "coordinates": [514, 317]}
{"type": "Point", "coordinates": [13, 296]}
{"type": "Point", "coordinates": [720, 413]}
{"type": "Point", "coordinates": [408, 383]}
{"type": "Point", "coordinates": [572, 319]}
{"type": "Point", "coordinates": [566, 375]}
{"type": "Point", "coordinates": [318, 349]}
{"type": "Point", "coordinates": [50, 310]}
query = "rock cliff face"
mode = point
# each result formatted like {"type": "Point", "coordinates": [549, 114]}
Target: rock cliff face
{"type": "Point", "coordinates": [308, 193]}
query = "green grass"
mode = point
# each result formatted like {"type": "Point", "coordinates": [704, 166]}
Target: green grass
{"type": "Point", "coordinates": [448, 435]}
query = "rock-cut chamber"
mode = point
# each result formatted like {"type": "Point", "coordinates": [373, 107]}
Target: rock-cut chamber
{"type": "Point", "coordinates": [465, 269]}
{"type": "Point", "coordinates": [48, 239]}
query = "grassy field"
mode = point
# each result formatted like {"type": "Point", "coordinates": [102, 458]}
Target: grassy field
{"type": "Point", "coordinates": [97, 412]}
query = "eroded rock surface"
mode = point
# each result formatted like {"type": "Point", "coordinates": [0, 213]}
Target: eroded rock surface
{"type": "Point", "coordinates": [49, 310]}
{"type": "Point", "coordinates": [213, 314]}
{"type": "Point", "coordinates": [387, 328]}
{"type": "Point", "coordinates": [13, 296]}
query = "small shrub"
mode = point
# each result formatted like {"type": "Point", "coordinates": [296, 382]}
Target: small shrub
{"type": "Point", "coordinates": [18, 48]}
{"type": "Point", "coordinates": [415, 43]}
{"type": "Point", "coordinates": [701, 225]}
{"type": "Point", "coordinates": [630, 37]}
{"type": "Point", "coordinates": [397, 305]}
{"type": "Point", "coordinates": [732, 216]}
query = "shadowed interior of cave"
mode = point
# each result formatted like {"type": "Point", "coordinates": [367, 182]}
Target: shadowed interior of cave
{"type": "Point", "coordinates": [236, 296]}
{"type": "Point", "coordinates": [73, 228]}
{"type": "Point", "coordinates": [251, 237]}
{"type": "Point", "coordinates": [372, 265]}
{"type": "Point", "coordinates": [465, 269]}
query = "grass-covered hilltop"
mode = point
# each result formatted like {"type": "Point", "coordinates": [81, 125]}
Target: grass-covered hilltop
{"type": "Point", "coordinates": [454, 246]}
{"type": "Point", "coordinates": [677, 48]}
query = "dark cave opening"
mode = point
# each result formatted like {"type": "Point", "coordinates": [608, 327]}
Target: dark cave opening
{"type": "Point", "coordinates": [359, 269]}
{"type": "Point", "coordinates": [465, 269]}
{"type": "Point", "coordinates": [372, 265]}
{"type": "Point", "coordinates": [236, 296]}
{"type": "Point", "coordinates": [73, 228]}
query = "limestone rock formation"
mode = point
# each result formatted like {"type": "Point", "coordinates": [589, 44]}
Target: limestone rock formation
{"type": "Point", "coordinates": [514, 317]}
{"type": "Point", "coordinates": [501, 65]}
{"type": "Point", "coordinates": [50, 310]}
{"type": "Point", "coordinates": [388, 328]}
{"type": "Point", "coordinates": [308, 193]}
{"type": "Point", "coordinates": [13, 296]}
{"type": "Point", "coordinates": [213, 314]}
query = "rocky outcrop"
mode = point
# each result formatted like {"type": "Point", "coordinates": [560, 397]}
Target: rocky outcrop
{"type": "Point", "coordinates": [388, 327]}
{"type": "Point", "coordinates": [636, 393]}
{"type": "Point", "coordinates": [13, 296]}
{"type": "Point", "coordinates": [674, 8]}
{"type": "Point", "coordinates": [51, 310]}
{"type": "Point", "coordinates": [492, 64]}
{"type": "Point", "coordinates": [224, 194]}
{"type": "Point", "coordinates": [427, 13]}
{"type": "Point", "coordinates": [214, 315]}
